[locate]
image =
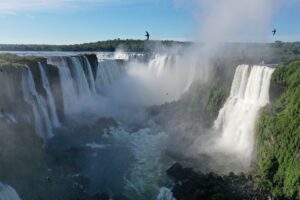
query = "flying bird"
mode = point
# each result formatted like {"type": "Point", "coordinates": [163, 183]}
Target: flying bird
{"type": "Point", "coordinates": [147, 35]}
{"type": "Point", "coordinates": [274, 32]}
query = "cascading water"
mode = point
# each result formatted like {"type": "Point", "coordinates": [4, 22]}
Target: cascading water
{"type": "Point", "coordinates": [76, 80]}
{"type": "Point", "coordinates": [236, 120]}
{"type": "Point", "coordinates": [81, 81]}
{"type": "Point", "coordinates": [164, 78]}
{"type": "Point", "coordinates": [51, 102]}
{"type": "Point", "coordinates": [8, 193]}
{"type": "Point", "coordinates": [160, 64]}
{"type": "Point", "coordinates": [107, 72]}
{"type": "Point", "coordinates": [38, 104]}
{"type": "Point", "coordinates": [90, 75]}
{"type": "Point", "coordinates": [67, 84]}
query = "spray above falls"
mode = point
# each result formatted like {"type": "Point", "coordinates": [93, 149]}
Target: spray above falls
{"type": "Point", "coordinates": [60, 87]}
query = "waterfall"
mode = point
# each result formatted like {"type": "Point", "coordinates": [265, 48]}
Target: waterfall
{"type": "Point", "coordinates": [8, 193]}
{"type": "Point", "coordinates": [160, 64]}
{"type": "Point", "coordinates": [236, 120]}
{"type": "Point", "coordinates": [32, 97]}
{"type": "Point", "coordinates": [90, 76]}
{"type": "Point", "coordinates": [80, 78]}
{"type": "Point", "coordinates": [107, 72]}
{"type": "Point", "coordinates": [183, 74]}
{"type": "Point", "coordinates": [67, 84]}
{"type": "Point", "coordinates": [51, 102]}
{"type": "Point", "coordinates": [76, 80]}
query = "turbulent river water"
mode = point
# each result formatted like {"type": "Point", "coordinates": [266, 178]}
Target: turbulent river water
{"type": "Point", "coordinates": [129, 159]}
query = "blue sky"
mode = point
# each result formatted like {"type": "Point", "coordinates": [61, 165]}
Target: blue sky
{"type": "Point", "coordinates": [287, 21]}
{"type": "Point", "coordinates": [78, 21]}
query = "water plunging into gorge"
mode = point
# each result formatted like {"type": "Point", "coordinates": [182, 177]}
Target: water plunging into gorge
{"type": "Point", "coordinates": [130, 158]}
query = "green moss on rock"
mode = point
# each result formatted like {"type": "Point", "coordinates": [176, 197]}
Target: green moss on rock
{"type": "Point", "coordinates": [13, 58]}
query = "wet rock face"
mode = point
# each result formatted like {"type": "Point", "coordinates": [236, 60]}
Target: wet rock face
{"type": "Point", "coordinates": [191, 185]}
{"type": "Point", "coordinates": [11, 101]}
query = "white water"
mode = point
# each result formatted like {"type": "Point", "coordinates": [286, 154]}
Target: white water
{"type": "Point", "coordinates": [107, 72]}
{"type": "Point", "coordinates": [98, 146]}
{"type": "Point", "coordinates": [90, 76]}
{"type": "Point", "coordinates": [38, 104]}
{"type": "Point", "coordinates": [165, 194]}
{"type": "Point", "coordinates": [145, 176]}
{"type": "Point", "coordinates": [51, 102]}
{"type": "Point", "coordinates": [236, 120]}
{"type": "Point", "coordinates": [163, 79]}
{"type": "Point", "coordinates": [8, 193]}
{"type": "Point", "coordinates": [182, 74]}
{"type": "Point", "coordinates": [160, 64]}
{"type": "Point", "coordinates": [83, 88]}
{"type": "Point", "coordinates": [67, 85]}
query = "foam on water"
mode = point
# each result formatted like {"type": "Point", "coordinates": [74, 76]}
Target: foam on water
{"type": "Point", "coordinates": [165, 194]}
{"type": "Point", "coordinates": [8, 193]}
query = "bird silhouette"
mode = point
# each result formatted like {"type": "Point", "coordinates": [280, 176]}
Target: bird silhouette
{"type": "Point", "coordinates": [147, 35]}
{"type": "Point", "coordinates": [274, 32]}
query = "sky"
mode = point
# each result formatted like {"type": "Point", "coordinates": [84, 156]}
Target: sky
{"type": "Point", "coordinates": [80, 21]}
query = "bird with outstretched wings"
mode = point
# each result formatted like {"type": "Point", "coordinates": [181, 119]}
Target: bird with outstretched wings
{"type": "Point", "coordinates": [147, 35]}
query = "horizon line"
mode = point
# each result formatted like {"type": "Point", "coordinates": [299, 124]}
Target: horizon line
{"type": "Point", "coordinates": [140, 40]}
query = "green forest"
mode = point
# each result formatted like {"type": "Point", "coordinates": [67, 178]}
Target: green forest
{"type": "Point", "coordinates": [108, 45]}
{"type": "Point", "coordinates": [278, 135]}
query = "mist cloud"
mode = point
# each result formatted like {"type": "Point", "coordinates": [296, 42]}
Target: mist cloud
{"type": "Point", "coordinates": [232, 20]}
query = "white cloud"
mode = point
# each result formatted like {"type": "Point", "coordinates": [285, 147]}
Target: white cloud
{"type": "Point", "coordinates": [15, 6]}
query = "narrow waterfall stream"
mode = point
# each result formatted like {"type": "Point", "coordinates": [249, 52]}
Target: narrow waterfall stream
{"type": "Point", "coordinates": [50, 98]}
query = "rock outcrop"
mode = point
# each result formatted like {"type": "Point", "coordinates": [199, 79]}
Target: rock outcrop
{"type": "Point", "coordinates": [191, 185]}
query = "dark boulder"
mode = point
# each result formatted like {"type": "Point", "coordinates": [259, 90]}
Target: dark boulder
{"type": "Point", "coordinates": [178, 173]}
{"type": "Point", "coordinates": [190, 185]}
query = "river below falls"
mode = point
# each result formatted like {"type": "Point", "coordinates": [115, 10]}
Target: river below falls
{"type": "Point", "coordinates": [130, 164]}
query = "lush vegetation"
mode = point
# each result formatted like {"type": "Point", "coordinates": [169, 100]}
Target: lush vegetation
{"type": "Point", "coordinates": [12, 60]}
{"type": "Point", "coordinates": [278, 136]}
{"type": "Point", "coordinates": [285, 52]}
{"type": "Point", "coordinates": [108, 45]}
{"type": "Point", "coordinates": [202, 102]}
